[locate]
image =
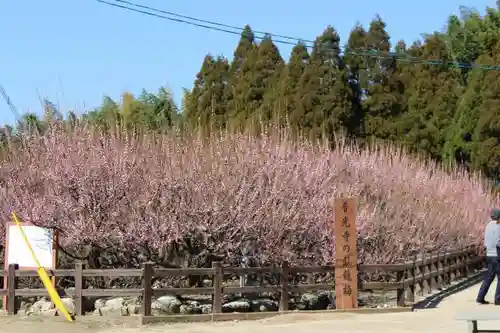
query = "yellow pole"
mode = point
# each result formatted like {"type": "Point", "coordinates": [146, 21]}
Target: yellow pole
{"type": "Point", "coordinates": [54, 296]}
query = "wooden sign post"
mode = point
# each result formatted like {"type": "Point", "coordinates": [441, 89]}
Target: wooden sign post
{"type": "Point", "coordinates": [346, 273]}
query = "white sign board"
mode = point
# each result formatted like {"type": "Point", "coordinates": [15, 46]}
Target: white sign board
{"type": "Point", "coordinates": [41, 243]}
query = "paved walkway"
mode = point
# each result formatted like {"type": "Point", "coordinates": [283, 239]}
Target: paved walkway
{"type": "Point", "coordinates": [440, 319]}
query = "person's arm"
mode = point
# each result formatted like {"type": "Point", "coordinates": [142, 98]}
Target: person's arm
{"type": "Point", "coordinates": [498, 240]}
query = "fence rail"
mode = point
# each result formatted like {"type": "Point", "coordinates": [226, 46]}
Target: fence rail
{"type": "Point", "coordinates": [412, 277]}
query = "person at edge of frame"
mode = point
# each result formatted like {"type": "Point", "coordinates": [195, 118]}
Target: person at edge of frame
{"type": "Point", "coordinates": [492, 244]}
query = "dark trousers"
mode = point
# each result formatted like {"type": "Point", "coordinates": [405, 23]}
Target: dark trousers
{"type": "Point", "coordinates": [493, 264]}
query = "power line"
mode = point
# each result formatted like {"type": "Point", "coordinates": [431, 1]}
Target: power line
{"type": "Point", "coordinates": [210, 22]}
{"type": "Point", "coordinates": [217, 26]}
{"type": "Point", "coordinates": [225, 30]}
{"type": "Point", "coordinates": [179, 20]}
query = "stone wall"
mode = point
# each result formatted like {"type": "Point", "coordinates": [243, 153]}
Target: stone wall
{"type": "Point", "coordinates": [195, 304]}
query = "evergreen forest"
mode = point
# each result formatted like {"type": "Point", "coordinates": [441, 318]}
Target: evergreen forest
{"type": "Point", "coordinates": [438, 97]}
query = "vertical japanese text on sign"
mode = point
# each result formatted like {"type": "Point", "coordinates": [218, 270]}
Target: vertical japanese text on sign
{"type": "Point", "coordinates": [345, 263]}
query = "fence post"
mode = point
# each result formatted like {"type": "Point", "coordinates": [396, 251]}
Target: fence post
{"type": "Point", "coordinates": [410, 289]}
{"type": "Point", "coordinates": [433, 268]}
{"type": "Point", "coordinates": [419, 279]}
{"type": "Point", "coordinates": [465, 262]}
{"type": "Point", "coordinates": [285, 275]}
{"type": "Point", "coordinates": [78, 289]}
{"type": "Point", "coordinates": [453, 271]}
{"type": "Point", "coordinates": [428, 271]}
{"type": "Point", "coordinates": [245, 263]}
{"type": "Point", "coordinates": [440, 271]}
{"type": "Point", "coordinates": [147, 288]}
{"type": "Point", "coordinates": [449, 274]}
{"type": "Point", "coordinates": [458, 268]}
{"type": "Point", "coordinates": [400, 293]}
{"type": "Point", "coordinates": [11, 289]}
{"type": "Point", "coordinates": [217, 285]}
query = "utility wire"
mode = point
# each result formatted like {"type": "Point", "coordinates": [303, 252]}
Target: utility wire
{"type": "Point", "coordinates": [217, 26]}
{"type": "Point", "coordinates": [229, 31]}
{"type": "Point", "coordinates": [148, 11]}
{"type": "Point", "coordinates": [210, 22]}
{"type": "Point", "coordinates": [180, 20]}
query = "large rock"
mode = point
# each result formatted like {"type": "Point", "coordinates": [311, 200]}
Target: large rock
{"type": "Point", "coordinates": [111, 307]}
{"type": "Point", "coordinates": [41, 307]}
{"type": "Point", "coordinates": [264, 305]}
{"type": "Point", "coordinates": [190, 309]}
{"type": "Point", "coordinates": [45, 307]}
{"type": "Point", "coordinates": [321, 301]}
{"type": "Point", "coordinates": [206, 308]}
{"type": "Point", "coordinates": [166, 305]}
{"type": "Point", "coordinates": [237, 306]}
{"type": "Point", "coordinates": [110, 311]}
{"type": "Point", "coordinates": [69, 304]}
{"type": "Point", "coordinates": [133, 306]}
{"type": "Point", "coordinates": [188, 304]}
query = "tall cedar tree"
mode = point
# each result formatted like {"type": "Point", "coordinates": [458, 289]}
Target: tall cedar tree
{"type": "Point", "coordinates": [384, 100]}
{"type": "Point", "coordinates": [356, 67]}
{"type": "Point", "coordinates": [402, 77]}
{"type": "Point", "coordinates": [468, 38]}
{"type": "Point", "coordinates": [292, 74]}
{"type": "Point", "coordinates": [486, 136]}
{"type": "Point", "coordinates": [240, 77]}
{"type": "Point", "coordinates": [209, 91]}
{"type": "Point", "coordinates": [264, 83]}
{"type": "Point", "coordinates": [458, 148]}
{"type": "Point", "coordinates": [433, 99]}
{"type": "Point", "coordinates": [324, 102]}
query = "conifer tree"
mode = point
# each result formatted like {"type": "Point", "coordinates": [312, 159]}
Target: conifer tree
{"type": "Point", "coordinates": [299, 59]}
{"type": "Point", "coordinates": [486, 136]}
{"type": "Point", "coordinates": [240, 74]}
{"type": "Point", "coordinates": [325, 102]}
{"type": "Point", "coordinates": [265, 83]}
{"type": "Point", "coordinates": [356, 70]}
{"type": "Point", "coordinates": [384, 101]}
{"type": "Point", "coordinates": [209, 92]}
{"type": "Point", "coordinates": [433, 99]}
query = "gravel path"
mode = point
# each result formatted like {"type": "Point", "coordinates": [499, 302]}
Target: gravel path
{"type": "Point", "coordinates": [440, 319]}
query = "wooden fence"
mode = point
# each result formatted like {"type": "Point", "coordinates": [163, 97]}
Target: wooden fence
{"type": "Point", "coordinates": [413, 277]}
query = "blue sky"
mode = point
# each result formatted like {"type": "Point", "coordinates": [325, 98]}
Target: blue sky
{"type": "Point", "coordinates": [75, 52]}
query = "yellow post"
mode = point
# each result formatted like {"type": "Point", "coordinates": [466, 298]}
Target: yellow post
{"type": "Point", "coordinates": [54, 296]}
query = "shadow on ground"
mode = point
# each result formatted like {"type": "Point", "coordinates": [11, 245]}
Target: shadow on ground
{"type": "Point", "coordinates": [432, 301]}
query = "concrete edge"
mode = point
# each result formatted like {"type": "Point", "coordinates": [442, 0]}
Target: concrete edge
{"type": "Point", "coordinates": [146, 320]}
